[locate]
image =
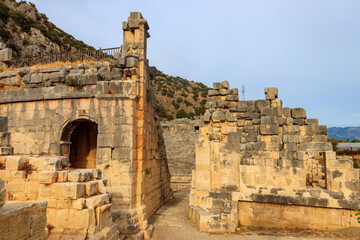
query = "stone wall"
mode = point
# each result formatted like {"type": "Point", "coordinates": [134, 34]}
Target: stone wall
{"type": "Point", "coordinates": [19, 220]}
{"type": "Point", "coordinates": [259, 151]}
{"type": "Point", "coordinates": [44, 106]}
{"type": "Point", "coordinates": [78, 203]}
{"type": "Point", "coordinates": [180, 136]}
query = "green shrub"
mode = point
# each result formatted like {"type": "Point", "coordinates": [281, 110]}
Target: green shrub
{"type": "Point", "coordinates": [72, 81]}
{"type": "Point", "coordinates": [4, 11]}
{"type": "Point", "coordinates": [181, 114]}
{"type": "Point", "coordinates": [175, 104]}
{"type": "Point", "coordinates": [187, 103]}
{"type": "Point", "coordinates": [203, 102]}
{"type": "Point", "coordinates": [356, 164]}
{"type": "Point", "coordinates": [204, 93]}
{"type": "Point", "coordinates": [184, 95]}
{"type": "Point", "coordinates": [179, 100]}
{"type": "Point", "coordinates": [25, 23]}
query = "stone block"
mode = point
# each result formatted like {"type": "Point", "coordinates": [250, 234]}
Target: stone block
{"type": "Point", "coordinates": [229, 117]}
{"type": "Point", "coordinates": [216, 85]}
{"type": "Point", "coordinates": [224, 85]}
{"type": "Point", "coordinates": [213, 92]}
{"type": "Point", "coordinates": [96, 201]}
{"type": "Point", "coordinates": [47, 177]}
{"type": "Point", "coordinates": [269, 120]}
{"type": "Point", "coordinates": [218, 116]}
{"type": "Point", "coordinates": [299, 121]}
{"type": "Point", "coordinates": [271, 93]}
{"type": "Point", "coordinates": [6, 55]}
{"type": "Point", "coordinates": [79, 175]}
{"type": "Point", "coordinates": [91, 188]}
{"type": "Point", "coordinates": [260, 104]}
{"type": "Point", "coordinates": [69, 190]}
{"type": "Point", "coordinates": [276, 103]}
{"type": "Point", "coordinates": [62, 176]}
{"type": "Point", "coordinates": [15, 163]}
{"type": "Point", "coordinates": [224, 91]}
{"type": "Point", "coordinates": [271, 111]}
{"type": "Point", "coordinates": [298, 113]}
{"type": "Point", "coordinates": [207, 116]}
{"type": "Point", "coordinates": [269, 129]}
{"type": "Point", "coordinates": [36, 78]}
{"type": "Point", "coordinates": [131, 62]}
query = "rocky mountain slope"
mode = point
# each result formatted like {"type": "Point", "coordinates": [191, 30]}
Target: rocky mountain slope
{"type": "Point", "coordinates": [27, 32]}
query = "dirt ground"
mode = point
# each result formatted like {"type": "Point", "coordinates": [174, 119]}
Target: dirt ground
{"type": "Point", "coordinates": [172, 222]}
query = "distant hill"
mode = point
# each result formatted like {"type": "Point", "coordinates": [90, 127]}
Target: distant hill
{"type": "Point", "coordinates": [344, 133]}
{"type": "Point", "coordinates": [178, 97]}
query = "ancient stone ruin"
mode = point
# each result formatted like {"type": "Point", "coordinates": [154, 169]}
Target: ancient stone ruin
{"type": "Point", "coordinates": [180, 136]}
{"type": "Point", "coordinates": [261, 164]}
{"type": "Point", "coordinates": [86, 139]}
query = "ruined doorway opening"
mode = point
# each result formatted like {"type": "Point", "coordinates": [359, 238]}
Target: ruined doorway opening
{"type": "Point", "coordinates": [79, 143]}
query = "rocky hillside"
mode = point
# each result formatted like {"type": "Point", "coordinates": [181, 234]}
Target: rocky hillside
{"type": "Point", "coordinates": [178, 97]}
{"type": "Point", "coordinates": [26, 31]}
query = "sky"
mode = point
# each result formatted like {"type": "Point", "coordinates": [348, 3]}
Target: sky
{"type": "Point", "coordinates": [309, 50]}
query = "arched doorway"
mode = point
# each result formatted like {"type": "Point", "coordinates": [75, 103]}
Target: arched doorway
{"type": "Point", "coordinates": [79, 143]}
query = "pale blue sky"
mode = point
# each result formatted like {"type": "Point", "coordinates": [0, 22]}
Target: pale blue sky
{"type": "Point", "coordinates": [309, 49]}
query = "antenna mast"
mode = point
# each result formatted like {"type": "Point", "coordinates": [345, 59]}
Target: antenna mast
{"type": "Point", "coordinates": [243, 92]}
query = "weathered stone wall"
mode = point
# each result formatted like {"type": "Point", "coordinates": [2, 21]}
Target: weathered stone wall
{"type": "Point", "coordinates": [78, 203]}
{"type": "Point", "coordinates": [19, 220]}
{"type": "Point", "coordinates": [44, 105]}
{"type": "Point", "coordinates": [180, 136]}
{"type": "Point", "coordinates": [259, 151]}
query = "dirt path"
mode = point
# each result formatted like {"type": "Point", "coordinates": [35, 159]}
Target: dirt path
{"type": "Point", "coordinates": [172, 222]}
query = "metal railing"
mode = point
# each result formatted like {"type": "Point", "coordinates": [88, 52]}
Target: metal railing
{"type": "Point", "coordinates": [88, 55]}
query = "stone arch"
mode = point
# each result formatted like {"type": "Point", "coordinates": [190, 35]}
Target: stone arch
{"type": "Point", "coordinates": [78, 141]}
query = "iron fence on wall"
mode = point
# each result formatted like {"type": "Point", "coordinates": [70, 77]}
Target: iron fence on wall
{"type": "Point", "coordinates": [95, 55]}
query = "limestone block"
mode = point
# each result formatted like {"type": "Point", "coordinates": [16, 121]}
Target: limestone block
{"type": "Point", "coordinates": [229, 117]}
{"type": "Point", "coordinates": [224, 85]}
{"type": "Point", "coordinates": [271, 111]}
{"type": "Point", "coordinates": [207, 116]}
{"type": "Point", "coordinates": [224, 91]}
{"type": "Point", "coordinates": [96, 174]}
{"type": "Point", "coordinates": [269, 129]}
{"type": "Point", "coordinates": [269, 120]}
{"type": "Point", "coordinates": [96, 201]}
{"type": "Point", "coordinates": [50, 69]}
{"type": "Point", "coordinates": [131, 62]}
{"type": "Point", "coordinates": [216, 85]}
{"type": "Point", "coordinates": [76, 71]}
{"type": "Point", "coordinates": [79, 175]}
{"type": "Point", "coordinates": [70, 190]}
{"type": "Point", "coordinates": [298, 113]}
{"type": "Point", "coordinates": [286, 112]}
{"type": "Point", "coordinates": [260, 104]}
{"type": "Point", "coordinates": [81, 219]}
{"type": "Point", "coordinates": [6, 55]}
{"type": "Point", "coordinates": [218, 116]}
{"type": "Point", "coordinates": [48, 177]}
{"type": "Point", "coordinates": [299, 121]}
{"type": "Point", "coordinates": [271, 93]}
{"type": "Point", "coordinates": [91, 188]}
{"type": "Point", "coordinates": [36, 78]}
{"type": "Point", "coordinates": [79, 203]}
{"type": "Point", "coordinates": [15, 163]}
{"type": "Point", "coordinates": [47, 163]}
{"type": "Point", "coordinates": [276, 103]}
{"type": "Point", "coordinates": [312, 121]}
{"type": "Point", "coordinates": [62, 176]}
{"type": "Point", "coordinates": [232, 97]}
{"type": "Point", "coordinates": [213, 92]}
